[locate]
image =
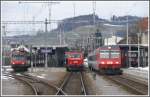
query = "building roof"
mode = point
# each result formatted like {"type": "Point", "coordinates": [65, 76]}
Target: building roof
{"type": "Point", "coordinates": [21, 47]}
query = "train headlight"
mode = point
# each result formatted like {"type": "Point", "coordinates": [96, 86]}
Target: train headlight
{"type": "Point", "coordinates": [13, 63]}
{"type": "Point", "coordinates": [109, 47]}
{"type": "Point", "coordinates": [102, 62]}
{"type": "Point", "coordinates": [117, 62]}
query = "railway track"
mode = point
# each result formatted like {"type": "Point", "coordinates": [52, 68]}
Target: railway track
{"type": "Point", "coordinates": [133, 85]}
{"type": "Point", "coordinates": [34, 91]}
{"type": "Point", "coordinates": [73, 84]}
{"type": "Point", "coordinates": [38, 86]}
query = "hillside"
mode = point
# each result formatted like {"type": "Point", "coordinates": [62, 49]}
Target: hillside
{"type": "Point", "coordinates": [79, 30]}
{"type": "Point", "coordinates": [69, 24]}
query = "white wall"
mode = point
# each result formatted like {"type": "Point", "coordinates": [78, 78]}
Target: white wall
{"type": "Point", "coordinates": [144, 39]}
{"type": "Point", "coordinates": [112, 40]}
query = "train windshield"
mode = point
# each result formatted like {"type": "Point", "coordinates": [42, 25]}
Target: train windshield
{"type": "Point", "coordinates": [109, 53]}
{"type": "Point", "coordinates": [104, 53]}
{"type": "Point", "coordinates": [73, 55]}
{"type": "Point", "coordinates": [115, 53]}
{"type": "Point", "coordinates": [18, 57]}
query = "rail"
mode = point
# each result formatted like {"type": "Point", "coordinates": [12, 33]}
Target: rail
{"type": "Point", "coordinates": [66, 81]}
{"type": "Point", "coordinates": [139, 88]}
{"type": "Point", "coordinates": [83, 85]}
{"type": "Point", "coordinates": [31, 80]}
{"type": "Point", "coordinates": [35, 91]}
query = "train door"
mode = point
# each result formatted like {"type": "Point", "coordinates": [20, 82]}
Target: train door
{"type": "Point", "coordinates": [143, 57]}
{"type": "Point", "coordinates": [124, 57]}
{"type": "Point", "coordinates": [133, 58]}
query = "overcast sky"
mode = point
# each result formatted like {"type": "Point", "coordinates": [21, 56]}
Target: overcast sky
{"type": "Point", "coordinates": [12, 10]}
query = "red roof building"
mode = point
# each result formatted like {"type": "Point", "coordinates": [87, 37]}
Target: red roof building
{"type": "Point", "coordinates": [143, 24]}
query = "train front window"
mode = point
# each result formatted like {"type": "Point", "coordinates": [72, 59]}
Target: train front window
{"type": "Point", "coordinates": [66, 55]}
{"type": "Point", "coordinates": [73, 55]}
{"type": "Point", "coordinates": [104, 53]}
{"type": "Point", "coordinates": [18, 57]}
{"type": "Point", "coordinates": [115, 54]}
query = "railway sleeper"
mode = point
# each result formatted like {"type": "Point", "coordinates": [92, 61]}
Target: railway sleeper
{"type": "Point", "coordinates": [133, 88]}
{"type": "Point", "coordinates": [39, 92]}
{"type": "Point", "coordinates": [82, 91]}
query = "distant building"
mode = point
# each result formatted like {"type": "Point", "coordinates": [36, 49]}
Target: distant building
{"type": "Point", "coordinates": [140, 36]}
{"type": "Point", "coordinates": [144, 31]}
{"type": "Point", "coordinates": [120, 34]}
{"type": "Point", "coordinates": [112, 40]}
{"type": "Point", "coordinates": [144, 38]}
{"type": "Point", "coordinates": [95, 40]}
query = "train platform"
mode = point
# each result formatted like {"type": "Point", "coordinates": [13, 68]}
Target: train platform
{"type": "Point", "coordinates": [138, 73]}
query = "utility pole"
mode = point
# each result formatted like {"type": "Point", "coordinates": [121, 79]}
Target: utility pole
{"type": "Point", "coordinates": [49, 6]}
{"type": "Point", "coordinates": [94, 8]}
{"type": "Point", "coordinates": [127, 42]}
{"type": "Point", "coordinates": [64, 42]}
{"type": "Point", "coordinates": [31, 58]}
{"type": "Point", "coordinates": [60, 35]}
{"type": "Point", "coordinates": [90, 38]}
{"type": "Point", "coordinates": [139, 34]}
{"type": "Point", "coordinates": [4, 46]}
{"type": "Point", "coordinates": [73, 25]}
{"type": "Point", "coordinates": [74, 8]}
{"type": "Point", "coordinates": [46, 65]}
{"type": "Point", "coordinates": [33, 24]}
{"type": "Point", "coordinates": [50, 12]}
{"type": "Point", "coordinates": [127, 31]}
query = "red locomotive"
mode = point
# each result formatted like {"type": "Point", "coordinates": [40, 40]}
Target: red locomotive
{"type": "Point", "coordinates": [74, 60]}
{"type": "Point", "coordinates": [106, 59]}
{"type": "Point", "coordinates": [20, 60]}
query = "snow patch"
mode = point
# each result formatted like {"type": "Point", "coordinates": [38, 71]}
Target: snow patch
{"type": "Point", "coordinates": [141, 72]}
{"type": "Point", "coordinates": [18, 74]}
{"type": "Point", "coordinates": [41, 76]}
{"type": "Point", "coordinates": [6, 77]}
{"type": "Point", "coordinates": [6, 66]}
{"type": "Point", "coordinates": [113, 25]}
{"type": "Point", "coordinates": [144, 69]}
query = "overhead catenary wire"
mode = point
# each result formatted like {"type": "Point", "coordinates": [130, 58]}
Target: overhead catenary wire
{"type": "Point", "coordinates": [71, 21]}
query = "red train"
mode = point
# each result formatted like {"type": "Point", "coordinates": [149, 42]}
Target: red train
{"type": "Point", "coordinates": [106, 59]}
{"type": "Point", "coordinates": [20, 60]}
{"type": "Point", "coordinates": [74, 60]}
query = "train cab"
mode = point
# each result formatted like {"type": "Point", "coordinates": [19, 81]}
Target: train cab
{"type": "Point", "coordinates": [74, 60]}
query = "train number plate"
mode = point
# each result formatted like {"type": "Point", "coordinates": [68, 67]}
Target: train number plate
{"type": "Point", "coordinates": [109, 62]}
{"type": "Point", "coordinates": [75, 61]}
